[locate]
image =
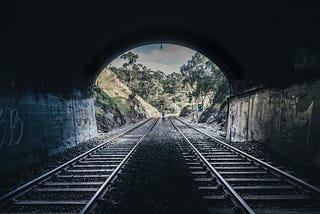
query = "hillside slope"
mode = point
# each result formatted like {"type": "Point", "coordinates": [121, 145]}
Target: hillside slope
{"type": "Point", "coordinates": [215, 115]}
{"type": "Point", "coordinates": [115, 105]}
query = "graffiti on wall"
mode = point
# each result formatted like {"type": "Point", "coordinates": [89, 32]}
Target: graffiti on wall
{"type": "Point", "coordinates": [11, 127]}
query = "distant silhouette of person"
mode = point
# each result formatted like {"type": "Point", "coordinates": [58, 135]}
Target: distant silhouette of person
{"type": "Point", "coordinates": [163, 116]}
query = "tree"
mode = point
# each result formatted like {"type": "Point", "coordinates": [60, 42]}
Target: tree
{"type": "Point", "coordinates": [202, 75]}
{"type": "Point", "coordinates": [198, 80]}
{"type": "Point", "coordinates": [131, 59]}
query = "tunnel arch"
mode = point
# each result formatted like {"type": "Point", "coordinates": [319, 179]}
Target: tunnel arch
{"type": "Point", "coordinates": [212, 51]}
{"type": "Point", "coordinates": [46, 71]}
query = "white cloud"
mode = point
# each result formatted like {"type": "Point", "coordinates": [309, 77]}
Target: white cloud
{"type": "Point", "coordinates": [168, 60]}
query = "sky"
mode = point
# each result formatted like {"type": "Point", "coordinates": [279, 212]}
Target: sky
{"type": "Point", "coordinates": [168, 59]}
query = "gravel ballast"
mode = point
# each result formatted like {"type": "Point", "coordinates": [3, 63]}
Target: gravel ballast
{"type": "Point", "coordinates": [262, 151]}
{"type": "Point", "coordinates": [11, 180]}
{"type": "Point", "coordinates": [155, 180]}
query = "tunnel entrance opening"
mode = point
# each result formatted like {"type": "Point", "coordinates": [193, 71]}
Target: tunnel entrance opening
{"type": "Point", "coordinates": [160, 78]}
{"type": "Point", "coordinates": [46, 104]}
{"type": "Point", "coordinates": [256, 112]}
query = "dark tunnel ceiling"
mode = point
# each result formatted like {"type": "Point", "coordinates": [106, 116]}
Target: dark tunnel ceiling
{"type": "Point", "coordinates": [48, 45]}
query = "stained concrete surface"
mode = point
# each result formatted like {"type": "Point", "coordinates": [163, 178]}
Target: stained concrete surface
{"type": "Point", "coordinates": [32, 128]}
{"type": "Point", "coordinates": [287, 119]}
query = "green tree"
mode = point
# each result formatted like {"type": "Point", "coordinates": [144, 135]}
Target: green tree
{"type": "Point", "coordinates": [202, 75]}
{"type": "Point", "coordinates": [131, 59]}
{"type": "Point", "coordinates": [198, 80]}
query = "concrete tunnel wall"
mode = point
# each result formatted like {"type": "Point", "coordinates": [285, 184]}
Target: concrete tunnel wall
{"type": "Point", "coordinates": [288, 119]}
{"type": "Point", "coordinates": [34, 127]}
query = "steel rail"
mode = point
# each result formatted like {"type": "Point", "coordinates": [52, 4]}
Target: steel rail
{"type": "Point", "coordinates": [294, 180]}
{"type": "Point", "coordinates": [102, 190]}
{"type": "Point", "coordinates": [238, 200]}
{"type": "Point", "coordinates": [11, 195]}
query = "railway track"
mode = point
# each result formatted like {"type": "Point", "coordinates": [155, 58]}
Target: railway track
{"type": "Point", "coordinates": [77, 186]}
{"type": "Point", "coordinates": [233, 181]}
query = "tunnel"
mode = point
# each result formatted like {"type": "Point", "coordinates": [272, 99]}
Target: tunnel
{"type": "Point", "coordinates": [52, 52]}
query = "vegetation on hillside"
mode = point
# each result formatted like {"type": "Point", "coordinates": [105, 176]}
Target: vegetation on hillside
{"type": "Point", "coordinates": [133, 91]}
{"type": "Point", "coordinates": [115, 105]}
{"type": "Point", "coordinates": [197, 82]}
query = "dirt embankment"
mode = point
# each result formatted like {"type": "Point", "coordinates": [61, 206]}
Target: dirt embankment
{"type": "Point", "coordinates": [115, 105]}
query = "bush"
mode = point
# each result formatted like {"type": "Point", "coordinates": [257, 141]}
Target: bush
{"type": "Point", "coordinates": [185, 111]}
